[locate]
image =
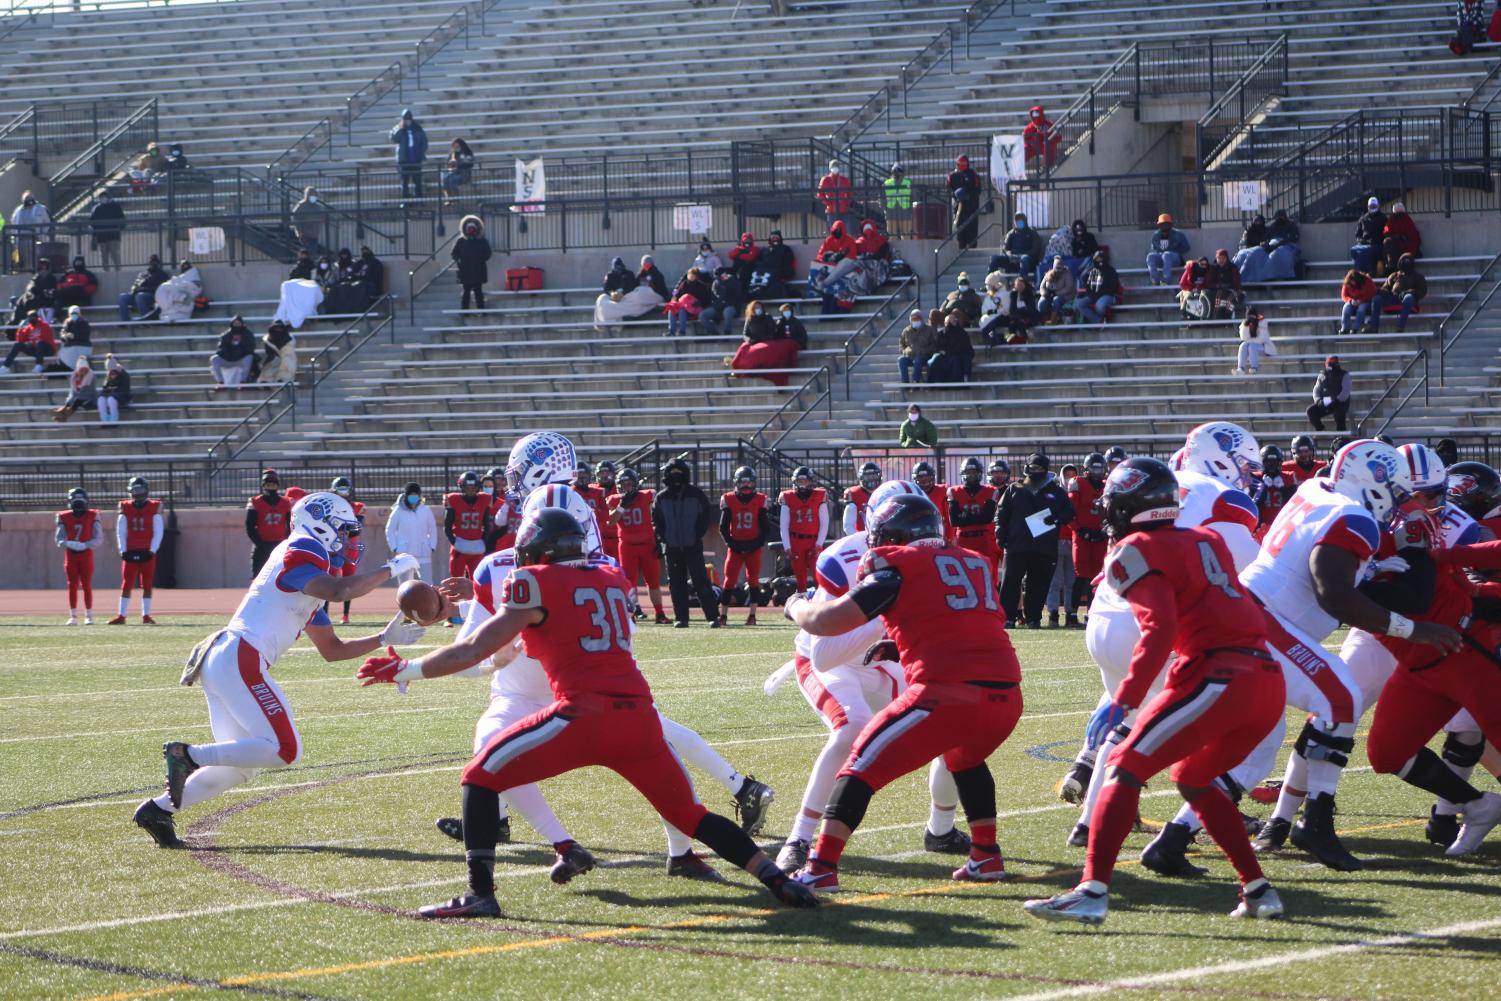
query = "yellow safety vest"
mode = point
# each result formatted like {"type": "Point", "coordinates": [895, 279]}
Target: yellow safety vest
{"type": "Point", "coordinates": [898, 193]}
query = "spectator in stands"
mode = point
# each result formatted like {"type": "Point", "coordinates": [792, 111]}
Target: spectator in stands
{"type": "Point", "coordinates": [233, 358]}
{"type": "Point", "coordinates": [1021, 309]}
{"type": "Point", "coordinates": [410, 140]}
{"type": "Point", "coordinates": [681, 514]}
{"type": "Point", "coordinates": [919, 342]}
{"type": "Point", "coordinates": [726, 302]}
{"type": "Point", "coordinates": [777, 259]}
{"type": "Point", "coordinates": [874, 252]}
{"type": "Point", "coordinates": [304, 267]}
{"type": "Point", "coordinates": [1448, 450]}
{"type": "Point", "coordinates": [77, 286]}
{"type": "Point", "coordinates": [1370, 231]}
{"type": "Point", "coordinates": [1276, 256]}
{"type": "Point", "coordinates": [916, 431]}
{"type": "Point", "coordinates": [471, 252]}
{"type": "Point", "coordinates": [177, 297]}
{"type": "Point", "coordinates": [1082, 245]}
{"type": "Point", "coordinates": [1193, 297]}
{"type": "Point", "coordinates": [964, 192]}
{"type": "Point", "coordinates": [690, 298]}
{"type": "Point", "coordinates": [759, 328]}
{"type": "Point", "coordinates": [372, 274]}
{"type": "Point", "coordinates": [1030, 556]}
{"type": "Point", "coordinates": [310, 221]}
{"type": "Point", "coordinates": [106, 223]}
{"type": "Point", "coordinates": [115, 392]}
{"type": "Point", "coordinates": [142, 294]}
{"type": "Point", "coordinates": [345, 270]}
{"type": "Point", "coordinates": [1167, 249]}
{"type": "Point", "coordinates": [280, 362]}
{"type": "Point", "coordinates": [1056, 293]}
{"type": "Point", "coordinates": [1039, 142]}
{"type": "Point", "coordinates": [82, 393]}
{"type": "Point", "coordinates": [458, 170]}
{"type": "Point", "coordinates": [651, 276]}
{"type": "Point", "coordinates": [75, 339]}
{"type": "Point", "coordinates": [30, 224]}
{"type": "Point", "coordinates": [744, 258]}
{"type": "Point", "coordinates": [1021, 249]}
{"type": "Point", "coordinates": [148, 168]}
{"type": "Point", "coordinates": [619, 278]}
{"type": "Point", "coordinates": [993, 306]}
{"type": "Point", "coordinates": [896, 200]}
{"type": "Point", "coordinates": [627, 296]}
{"type": "Point", "coordinates": [1469, 26]}
{"type": "Point", "coordinates": [956, 352]}
{"type": "Point", "coordinates": [325, 275]}
{"type": "Point", "coordinates": [412, 528]}
{"type": "Point", "coordinates": [763, 352]}
{"type": "Point", "coordinates": [1224, 285]}
{"type": "Point", "coordinates": [963, 299]}
{"type": "Point", "coordinates": [1255, 336]}
{"type": "Point", "coordinates": [1357, 294]}
{"type": "Point", "coordinates": [1404, 288]}
{"type": "Point", "coordinates": [40, 294]}
{"type": "Point", "coordinates": [835, 258]}
{"type": "Point", "coordinates": [790, 328]}
{"type": "Point", "coordinates": [835, 194]}
{"type": "Point", "coordinates": [176, 160]}
{"type": "Point", "coordinates": [708, 260]}
{"type": "Point", "coordinates": [1399, 236]}
{"type": "Point", "coordinates": [1101, 289]}
{"type": "Point", "coordinates": [33, 337]}
{"type": "Point", "coordinates": [1059, 246]}
{"type": "Point", "coordinates": [1331, 395]}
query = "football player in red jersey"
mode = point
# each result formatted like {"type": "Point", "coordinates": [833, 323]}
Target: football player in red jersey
{"type": "Point", "coordinates": [744, 526]}
{"type": "Point", "coordinates": [1304, 465]}
{"type": "Point", "coordinates": [963, 695]}
{"type": "Point", "coordinates": [1271, 489]}
{"type": "Point", "coordinates": [1475, 489]}
{"type": "Point", "coordinates": [805, 524]}
{"type": "Point", "coordinates": [78, 535]}
{"type": "Point", "coordinates": [1084, 493]}
{"type": "Point", "coordinates": [604, 482]}
{"type": "Point", "coordinates": [630, 517]}
{"type": "Point", "coordinates": [857, 498]}
{"type": "Point", "coordinates": [594, 496]}
{"type": "Point", "coordinates": [138, 533]}
{"type": "Point", "coordinates": [575, 619]}
{"type": "Point", "coordinates": [971, 507]}
{"type": "Point", "coordinates": [466, 522]}
{"type": "Point", "coordinates": [354, 549]}
{"type": "Point", "coordinates": [267, 520]}
{"type": "Point", "coordinates": [1222, 694]}
{"type": "Point", "coordinates": [927, 482]}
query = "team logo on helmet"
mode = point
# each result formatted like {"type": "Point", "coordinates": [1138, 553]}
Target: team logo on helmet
{"type": "Point", "coordinates": [1381, 471]}
{"type": "Point", "coordinates": [318, 508]}
{"type": "Point", "coordinates": [1227, 439]}
{"type": "Point", "coordinates": [1461, 484]}
{"type": "Point", "coordinates": [1126, 479]}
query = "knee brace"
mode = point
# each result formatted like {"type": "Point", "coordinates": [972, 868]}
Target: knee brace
{"type": "Point", "coordinates": [976, 792]}
{"type": "Point", "coordinates": [1232, 788]}
{"type": "Point", "coordinates": [850, 800]}
{"type": "Point", "coordinates": [1460, 753]}
{"type": "Point", "coordinates": [1315, 745]}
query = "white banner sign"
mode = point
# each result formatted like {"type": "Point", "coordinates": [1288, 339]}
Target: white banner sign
{"type": "Point", "coordinates": [206, 240]}
{"type": "Point", "coordinates": [1038, 207]}
{"type": "Point", "coordinates": [1008, 161]}
{"type": "Point", "coordinates": [696, 219]}
{"type": "Point", "coordinates": [1245, 196]}
{"type": "Point", "coordinates": [531, 187]}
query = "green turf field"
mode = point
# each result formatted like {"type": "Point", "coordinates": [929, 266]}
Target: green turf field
{"type": "Point", "coordinates": [301, 885]}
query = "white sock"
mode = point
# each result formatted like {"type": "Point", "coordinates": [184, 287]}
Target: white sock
{"type": "Point", "coordinates": [1295, 778]}
{"type": "Point", "coordinates": [206, 783]}
{"type": "Point", "coordinates": [697, 752]}
{"type": "Point", "coordinates": [145, 606]}
{"type": "Point", "coordinates": [1323, 777]}
{"type": "Point", "coordinates": [72, 613]}
{"type": "Point", "coordinates": [942, 790]}
{"type": "Point", "coordinates": [245, 752]}
{"type": "Point", "coordinates": [677, 841]}
{"type": "Point", "coordinates": [1097, 777]}
{"type": "Point", "coordinates": [1188, 818]}
{"type": "Point", "coordinates": [529, 805]}
{"type": "Point", "coordinates": [124, 605]}
{"type": "Point", "coordinates": [836, 750]}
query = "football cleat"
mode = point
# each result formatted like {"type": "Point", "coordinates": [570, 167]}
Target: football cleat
{"type": "Point", "coordinates": [1167, 854]}
{"type": "Point", "coordinates": [1267, 793]}
{"type": "Point", "coordinates": [1071, 789]}
{"type": "Point", "coordinates": [344, 619]}
{"type": "Point", "coordinates": [721, 619]}
{"type": "Point", "coordinates": [750, 619]}
{"type": "Point", "coordinates": [1079, 836]}
{"type": "Point", "coordinates": [1479, 817]}
{"type": "Point", "coordinates": [1315, 835]}
{"type": "Point", "coordinates": [817, 877]}
{"type": "Point", "coordinates": [663, 620]}
{"type": "Point", "coordinates": [159, 824]}
{"type": "Point", "coordinates": [1075, 905]}
{"type": "Point", "coordinates": [118, 620]}
{"type": "Point", "coordinates": [793, 856]}
{"type": "Point", "coordinates": [1442, 828]}
{"type": "Point", "coordinates": [88, 618]}
{"type": "Point", "coordinates": [1264, 905]}
{"type": "Point", "coordinates": [572, 861]}
{"type": "Point", "coordinates": [794, 894]}
{"type": "Point", "coordinates": [689, 866]}
{"type": "Point", "coordinates": [955, 842]}
{"type": "Point", "coordinates": [179, 767]}
{"type": "Point", "coordinates": [990, 869]}
{"type": "Point", "coordinates": [470, 905]}
{"type": "Point", "coordinates": [1273, 835]}
{"type": "Point", "coordinates": [752, 803]}
{"type": "Point", "coordinates": [147, 620]}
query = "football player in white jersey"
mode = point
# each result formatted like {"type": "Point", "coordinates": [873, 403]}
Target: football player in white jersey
{"type": "Point", "coordinates": [846, 679]}
{"type": "Point", "coordinates": [249, 714]}
{"type": "Point", "coordinates": [1307, 576]}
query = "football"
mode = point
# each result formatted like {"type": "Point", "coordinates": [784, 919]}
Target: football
{"type": "Point", "coordinates": [419, 601]}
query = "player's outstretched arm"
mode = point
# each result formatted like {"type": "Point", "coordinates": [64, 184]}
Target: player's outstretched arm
{"type": "Point", "coordinates": [1334, 572]}
{"type": "Point", "coordinates": [348, 588]}
{"type": "Point", "coordinates": [826, 618]}
{"type": "Point", "coordinates": [330, 647]}
{"type": "Point", "coordinates": [497, 631]}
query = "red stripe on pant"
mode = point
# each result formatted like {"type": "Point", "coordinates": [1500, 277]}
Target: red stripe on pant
{"type": "Point", "coordinates": [79, 569]}
{"type": "Point", "coordinates": [830, 708]}
{"type": "Point", "coordinates": [249, 659]}
{"type": "Point", "coordinates": [463, 564]}
{"type": "Point", "coordinates": [1313, 662]}
{"type": "Point", "coordinates": [133, 575]}
{"type": "Point", "coordinates": [749, 562]}
{"type": "Point", "coordinates": [963, 723]}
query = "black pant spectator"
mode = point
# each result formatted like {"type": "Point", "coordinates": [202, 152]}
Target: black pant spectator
{"type": "Point", "coordinates": [1338, 409]}
{"type": "Point", "coordinates": [40, 350]}
{"type": "Point", "coordinates": [683, 563]}
{"type": "Point", "coordinates": [478, 291]}
{"type": "Point", "coordinates": [259, 553]}
{"type": "Point", "coordinates": [1037, 570]}
{"type": "Point", "coordinates": [411, 177]}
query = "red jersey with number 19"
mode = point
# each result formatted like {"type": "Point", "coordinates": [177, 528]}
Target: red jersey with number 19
{"type": "Point", "coordinates": [584, 639]}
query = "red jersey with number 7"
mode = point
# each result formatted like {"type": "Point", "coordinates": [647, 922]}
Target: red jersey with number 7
{"type": "Point", "coordinates": [584, 639]}
{"type": "Point", "coordinates": [940, 608]}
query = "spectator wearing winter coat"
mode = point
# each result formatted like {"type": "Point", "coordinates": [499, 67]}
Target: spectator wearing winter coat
{"type": "Point", "coordinates": [1021, 248]}
{"type": "Point", "coordinates": [77, 286]}
{"type": "Point", "coordinates": [1370, 231]}
{"type": "Point", "coordinates": [681, 515]}
{"type": "Point", "coordinates": [1399, 236]}
{"type": "Point", "coordinates": [410, 140]}
{"type": "Point", "coordinates": [1276, 256]}
{"type": "Point", "coordinates": [619, 278]}
{"type": "Point", "coordinates": [40, 294]}
{"type": "Point", "coordinates": [1331, 396]}
{"type": "Point", "coordinates": [106, 223]}
{"type": "Point", "coordinates": [412, 528]}
{"type": "Point", "coordinates": [836, 247]}
{"type": "Point", "coordinates": [1102, 289]}
{"type": "Point", "coordinates": [964, 300]}
{"type": "Point", "coordinates": [1040, 144]}
{"type": "Point", "coordinates": [759, 327]}
{"type": "Point", "coordinates": [708, 260]}
{"type": "Point", "coordinates": [304, 267]}
{"type": "Point", "coordinates": [763, 352]}
{"type": "Point", "coordinates": [1193, 290]}
{"type": "Point", "coordinates": [142, 294]}
{"type": "Point", "coordinates": [956, 352]}
{"type": "Point", "coordinates": [871, 244]}
{"type": "Point", "coordinates": [345, 270]}
{"type": "Point", "coordinates": [372, 274]}
{"type": "Point", "coordinates": [116, 391]}
{"type": "Point", "coordinates": [1056, 292]}
{"type": "Point", "coordinates": [916, 431]}
{"type": "Point", "coordinates": [1021, 309]}
{"type": "Point", "coordinates": [1405, 288]}
{"type": "Point", "coordinates": [836, 195]}
{"type": "Point", "coordinates": [1255, 335]}
{"type": "Point", "coordinates": [651, 276]}
{"type": "Point", "coordinates": [726, 302]}
{"type": "Point", "coordinates": [82, 393]}
{"type": "Point", "coordinates": [457, 170]}
{"type": "Point", "coordinates": [690, 298]}
{"type": "Point", "coordinates": [1059, 245]}
{"type": "Point", "coordinates": [919, 342]}
{"type": "Point", "coordinates": [176, 297]}
{"type": "Point", "coordinates": [310, 221]}
{"type": "Point", "coordinates": [790, 328]}
{"type": "Point", "coordinates": [280, 363]}
{"type": "Point", "coordinates": [777, 259]}
{"type": "Point", "coordinates": [1031, 556]}
{"type": "Point", "coordinates": [994, 305]}
{"type": "Point", "coordinates": [1357, 295]}
{"type": "Point", "coordinates": [964, 192]}
{"type": "Point", "coordinates": [232, 361]}
{"type": "Point", "coordinates": [30, 224]}
{"type": "Point", "coordinates": [33, 337]}
{"type": "Point", "coordinates": [471, 252]}
{"type": "Point", "coordinates": [75, 339]}
{"type": "Point", "coordinates": [1167, 249]}
{"type": "Point", "coordinates": [1224, 285]}
{"type": "Point", "coordinates": [744, 257]}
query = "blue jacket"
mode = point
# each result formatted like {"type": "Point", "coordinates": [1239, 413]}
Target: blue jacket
{"type": "Point", "coordinates": [411, 144]}
{"type": "Point", "coordinates": [1175, 242]}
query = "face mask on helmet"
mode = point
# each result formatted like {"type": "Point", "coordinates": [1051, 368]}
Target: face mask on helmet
{"type": "Point", "coordinates": [539, 459]}
{"type": "Point", "coordinates": [1224, 451]}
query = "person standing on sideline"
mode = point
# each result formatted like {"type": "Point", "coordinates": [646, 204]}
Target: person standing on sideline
{"type": "Point", "coordinates": [896, 198]}
{"type": "Point", "coordinates": [964, 191]}
{"type": "Point", "coordinates": [78, 535]}
{"type": "Point", "coordinates": [744, 526]}
{"type": "Point", "coordinates": [680, 515]}
{"type": "Point", "coordinates": [471, 252]}
{"type": "Point", "coordinates": [410, 140]}
{"type": "Point", "coordinates": [413, 528]}
{"type": "Point", "coordinates": [267, 522]}
{"type": "Point", "coordinates": [631, 519]}
{"type": "Point", "coordinates": [1331, 396]}
{"type": "Point", "coordinates": [1027, 521]}
{"type": "Point", "coordinates": [466, 523]}
{"type": "Point", "coordinates": [354, 551]}
{"type": "Point", "coordinates": [804, 521]}
{"type": "Point", "coordinates": [138, 534]}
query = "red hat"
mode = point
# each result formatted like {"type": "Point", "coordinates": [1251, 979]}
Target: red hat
{"type": "Point", "coordinates": [1331, 360]}
{"type": "Point", "coordinates": [962, 161]}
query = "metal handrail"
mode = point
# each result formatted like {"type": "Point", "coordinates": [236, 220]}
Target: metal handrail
{"type": "Point", "coordinates": [827, 396]}
{"type": "Point", "coordinates": [97, 149]}
{"type": "Point", "coordinates": [384, 305]}
{"type": "Point", "coordinates": [285, 388]}
{"type": "Point", "coordinates": [938, 250]}
{"type": "Point", "coordinates": [412, 290]}
{"type": "Point", "coordinates": [909, 282]}
{"type": "Point", "coordinates": [850, 364]}
{"type": "Point", "coordinates": [1086, 102]}
{"type": "Point", "coordinates": [1237, 92]}
{"type": "Point", "coordinates": [793, 397]}
{"type": "Point", "coordinates": [1444, 343]}
{"type": "Point", "coordinates": [638, 453]}
{"type": "Point", "coordinates": [1421, 356]}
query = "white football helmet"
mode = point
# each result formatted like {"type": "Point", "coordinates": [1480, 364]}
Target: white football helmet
{"type": "Point", "coordinates": [1430, 480]}
{"type": "Point", "coordinates": [539, 459]}
{"type": "Point", "coordinates": [1175, 461]}
{"type": "Point", "coordinates": [1373, 473]}
{"type": "Point", "coordinates": [1227, 452]}
{"type": "Point", "coordinates": [560, 495]}
{"type": "Point", "coordinates": [889, 489]}
{"type": "Point", "coordinates": [325, 516]}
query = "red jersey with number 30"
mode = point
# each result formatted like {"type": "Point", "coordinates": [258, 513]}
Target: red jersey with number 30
{"type": "Point", "coordinates": [584, 640]}
{"type": "Point", "coordinates": [634, 527]}
{"type": "Point", "coordinates": [745, 514]}
{"type": "Point", "coordinates": [469, 515]}
{"type": "Point", "coordinates": [140, 522]}
{"type": "Point", "coordinates": [944, 617]}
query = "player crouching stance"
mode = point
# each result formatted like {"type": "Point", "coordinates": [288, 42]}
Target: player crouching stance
{"type": "Point", "coordinates": [576, 620]}
{"type": "Point", "coordinates": [963, 697]}
{"type": "Point", "coordinates": [251, 719]}
{"type": "Point", "coordinates": [1222, 695]}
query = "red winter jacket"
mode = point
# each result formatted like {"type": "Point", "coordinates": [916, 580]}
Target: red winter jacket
{"type": "Point", "coordinates": [745, 252]}
{"type": "Point", "coordinates": [1364, 292]}
{"type": "Point", "coordinates": [837, 243]}
{"type": "Point", "coordinates": [1035, 136]}
{"type": "Point", "coordinates": [1399, 226]}
{"type": "Point", "coordinates": [834, 191]}
{"type": "Point", "coordinates": [36, 330]}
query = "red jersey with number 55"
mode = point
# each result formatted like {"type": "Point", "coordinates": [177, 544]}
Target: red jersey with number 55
{"type": "Point", "coordinates": [469, 515]}
{"type": "Point", "coordinates": [939, 606]}
{"type": "Point", "coordinates": [584, 639]}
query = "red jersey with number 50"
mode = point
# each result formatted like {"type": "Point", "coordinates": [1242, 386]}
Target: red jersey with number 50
{"type": "Point", "coordinates": [634, 527]}
{"type": "Point", "coordinates": [140, 522]}
{"type": "Point", "coordinates": [745, 514]}
{"type": "Point", "coordinates": [584, 640]}
{"type": "Point", "coordinates": [469, 515]}
{"type": "Point", "coordinates": [945, 619]}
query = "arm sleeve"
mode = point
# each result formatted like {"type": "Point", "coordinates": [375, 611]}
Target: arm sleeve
{"type": "Point", "coordinates": [823, 523]}
{"type": "Point", "coordinates": [60, 534]}
{"type": "Point", "coordinates": [1409, 593]}
{"type": "Point", "coordinates": [876, 590]}
{"type": "Point", "coordinates": [1155, 607]}
{"type": "Point", "coordinates": [786, 528]}
{"type": "Point", "coordinates": [120, 532]}
{"type": "Point", "coordinates": [448, 520]}
{"type": "Point", "coordinates": [1479, 556]}
{"type": "Point", "coordinates": [250, 530]}
{"type": "Point", "coordinates": [158, 529]}
{"type": "Point", "coordinates": [96, 534]}
{"type": "Point", "coordinates": [724, 522]}
{"type": "Point", "coordinates": [847, 522]}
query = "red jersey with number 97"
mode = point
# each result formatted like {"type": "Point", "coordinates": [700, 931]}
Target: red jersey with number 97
{"type": "Point", "coordinates": [944, 617]}
{"type": "Point", "coordinates": [584, 640]}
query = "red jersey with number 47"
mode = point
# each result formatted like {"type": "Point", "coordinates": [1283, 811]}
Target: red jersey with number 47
{"type": "Point", "coordinates": [745, 514]}
{"type": "Point", "coordinates": [584, 639]}
{"type": "Point", "coordinates": [273, 522]}
{"type": "Point", "coordinates": [939, 606]}
{"type": "Point", "coordinates": [635, 527]}
{"type": "Point", "coordinates": [1182, 586]}
{"type": "Point", "coordinates": [139, 522]}
{"type": "Point", "coordinates": [469, 515]}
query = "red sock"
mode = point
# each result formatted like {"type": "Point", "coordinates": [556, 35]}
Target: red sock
{"type": "Point", "coordinates": [982, 842]}
{"type": "Point", "coordinates": [1222, 820]}
{"type": "Point", "coordinates": [1114, 814]}
{"type": "Point", "coordinates": [658, 606]}
{"type": "Point", "coordinates": [827, 850]}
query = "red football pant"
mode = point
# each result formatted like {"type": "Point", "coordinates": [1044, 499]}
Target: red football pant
{"type": "Point", "coordinates": [984, 544]}
{"type": "Point", "coordinates": [749, 562]}
{"type": "Point", "coordinates": [640, 558]}
{"type": "Point", "coordinates": [611, 545]}
{"type": "Point", "coordinates": [963, 722]}
{"type": "Point", "coordinates": [1089, 558]}
{"type": "Point", "coordinates": [79, 568]}
{"type": "Point", "coordinates": [621, 733]}
{"type": "Point", "coordinates": [133, 575]}
{"type": "Point", "coordinates": [463, 564]}
{"type": "Point", "coordinates": [1415, 705]}
{"type": "Point", "coordinates": [803, 555]}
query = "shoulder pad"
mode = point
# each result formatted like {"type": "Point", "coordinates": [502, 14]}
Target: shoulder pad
{"type": "Point", "coordinates": [1125, 567]}
{"type": "Point", "coordinates": [1354, 530]}
{"type": "Point", "coordinates": [1236, 507]}
{"type": "Point", "coordinates": [870, 563]}
{"type": "Point", "coordinates": [521, 590]}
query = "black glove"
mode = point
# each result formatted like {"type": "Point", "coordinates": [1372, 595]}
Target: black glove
{"type": "Point", "coordinates": [884, 649]}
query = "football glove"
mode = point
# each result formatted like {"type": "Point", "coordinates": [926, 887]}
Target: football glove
{"type": "Point", "coordinates": [1106, 718]}
{"type": "Point", "coordinates": [883, 649]}
{"type": "Point", "coordinates": [401, 631]}
{"type": "Point", "coordinates": [403, 567]}
{"type": "Point", "coordinates": [388, 670]}
{"type": "Point", "coordinates": [76, 546]}
{"type": "Point", "coordinates": [1392, 564]}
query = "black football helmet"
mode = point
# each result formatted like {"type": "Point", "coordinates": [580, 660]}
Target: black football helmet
{"type": "Point", "coordinates": [1271, 459]}
{"type": "Point", "coordinates": [1301, 442]}
{"type": "Point", "coordinates": [919, 471]}
{"type": "Point", "coordinates": [870, 476]}
{"type": "Point", "coordinates": [549, 535]}
{"type": "Point", "coordinates": [628, 475]}
{"type": "Point", "coordinates": [1140, 495]}
{"type": "Point", "coordinates": [745, 480]}
{"type": "Point", "coordinates": [341, 486]}
{"type": "Point", "coordinates": [1094, 466]}
{"type": "Point", "coordinates": [469, 478]}
{"type": "Point", "coordinates": [1474, 488]}
{"type": "Point", "coordinates": [78, 499]}
{"type": "Point", "coordinates": [972, 471]}
{"type": "Point", "coordinates": [138, 488]}
{"type": "Point", "coordinates": [1115, 455]}
{"type": "Point", "coordinates": [802, 479]}
{"type": "Point", "coordinates": [999, 468]}
{"type": "Point", "coordinates": [903, 520]}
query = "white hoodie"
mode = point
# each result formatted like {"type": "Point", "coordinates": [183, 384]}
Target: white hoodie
{"type": "Point", "coordinates": [412, 530]}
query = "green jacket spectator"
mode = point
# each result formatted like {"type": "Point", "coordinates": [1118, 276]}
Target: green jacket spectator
{"type": "Point", "coordinates": [917, 431]}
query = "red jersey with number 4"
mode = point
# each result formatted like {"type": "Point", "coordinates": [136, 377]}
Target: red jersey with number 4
{"type": "Point", "coordinates": [273, 522]}
{"type": "Point", "coordinates": [972, 505]}
{"type": "Point", "coordinates": [860, 497]}
{"type": "Point", "coordinates": [469, 515]}
{"type": "Point", "coordinates": [1210, 608]}
{"type": "Point", "coordinates": [944, 616]}
{"type": "Point", "coordinates": [584, 640]}
{"type": "Point", "coordinates": [635, 527]}
{"type": "Point", "coordinates": [745, 514]}
{"type": "Point", "coordinates": [139, 522]}
{"type": "Point", "coordinates": [804, 512]}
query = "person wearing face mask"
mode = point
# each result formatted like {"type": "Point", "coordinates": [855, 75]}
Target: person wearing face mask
{"type": "Point", "coordinates": [33, 337]}
{"type": "Point", "coordinates": [354, 549]}
{"type": "Point", "coordinates": [777, 259]}
{"type": "Point", "coordinates": [680, 516]}
{"type": "Point", "coordinates": [1085, 493]}
{"type": "Point", "coordinates": [372, 274]}
{"type": "Point", "coordinates": [471, 252]}
{"type": "Point", "coordinates": [142, 294]}
{"type": "Point", "coordinates": [835, 258]}
{"type": "Point", "coordinates": [726, 302]}
{"type": "Point", "coordinates": [116, 391]}
{"type": "Point", "coordinates": [30, 224]}
{"type": "Point", "coordinates": [232, 360]}
{"type": "Point", "coordinates": [1040, 143]}
{"type": "Point", "coordinates": [1167, 249]}
{"type": "Point", "coordinates": [78, 535]}
{"type": "Point", "coordinates": [919, 342]}
{"type": "Point", "coordinates": [1056, 293]}
{"type": "Point", "coordinates": [690, 298]}
{"type": "Point", "coordinates": [956, 352]}
{"type": "Point", "coordinates": [310, 221]}
{"type": "Point", "coordinates": [1102, 289]}
{"type": "Point", "coordinates": [1331, 395]}
{"type": "Point", "coordinates": [790, 328]}
{"type": "Point", "coordinates": [835, 194]}
{"type": "Point", "coordinates": [917, 431]}
{"type": "Point", "coordinates": [77, 286]}
{"type": "Point", "coordinates": [106, 222]}
{"type": "Point", "coordinates": [708, 260]}
{"type": "Point", "coordinates": [1369, 233]}
{"type": "Point", "coordinates": [1021, 249]}
{"type": "Point", "coordinates": [412, 528]}
{"type": "Point", "coordinates": [874, 256]}
{"type": "Point", "coordinates": [745, 256]}
{"type": "Point", "coordinates": [1404, 288]}
{"type": "Point", "coordinates": [763, 353]}
{"type": "Point", "coordinates": [963, 299]}
{"type": "Point", "coordinates": [1027, 523]}
{"type": "Point", "coordinates": [268, 520]}
{"type": "Point", "coordinates": [40, 295]}
{"type": "Point", "coordinates": [1062, 587]}
{"type": "Point", "coordinates": [804, 521]}
{"type": "Point", "coordinates": [964, 192]}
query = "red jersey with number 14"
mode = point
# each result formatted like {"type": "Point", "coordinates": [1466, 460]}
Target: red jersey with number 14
{"type": "Point", "coordinates": [139, 522]}
{"type": "Point", "coordinates": [804, 511]}
{"type": "Point", "coordinates": [584, 640]}
{"type": "Point", "coordinates": [944, 618]}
